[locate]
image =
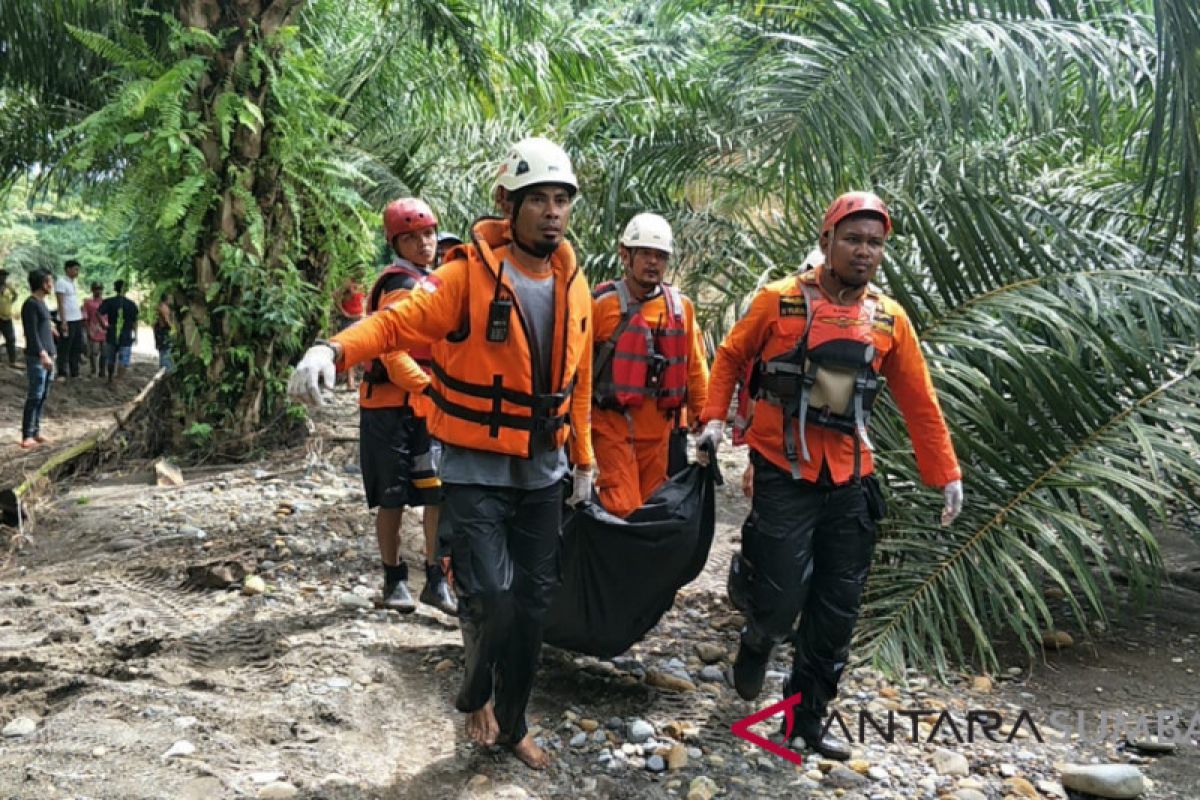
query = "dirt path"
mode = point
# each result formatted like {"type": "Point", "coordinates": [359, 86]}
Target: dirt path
{"type": "Point", "coordinates": [126, 639]}
{"type": "Point", "coordinates": [74, 409]}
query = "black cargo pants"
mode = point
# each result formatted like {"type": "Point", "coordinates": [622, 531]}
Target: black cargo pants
{"type": "Point", "coordinates": [806, 553]}
{"type": "Point", "coordinates": [504, 550]}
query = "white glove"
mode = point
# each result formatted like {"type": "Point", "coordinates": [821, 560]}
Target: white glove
{"type": "Point", "coordinates": [316, 366]}
{"type": "Point", "coordinates": [953, 492]}
{"type": "Point", "coordinates": [711, 436]}
{"type": "Point", "coordinates": [581, 491]}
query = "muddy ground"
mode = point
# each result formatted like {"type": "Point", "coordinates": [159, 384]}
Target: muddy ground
{"type": "Point", "coordinates": [142, 668]}
{"type": "Point", "coordinates": [74, 408]}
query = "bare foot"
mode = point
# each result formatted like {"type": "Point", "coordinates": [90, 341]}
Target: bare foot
{"type": "Point", "coordinates": [482, 727]}
{"type": "Point", "coordinates": [530, 754]}
{"type": "Point", "coordinates": [42, 439]}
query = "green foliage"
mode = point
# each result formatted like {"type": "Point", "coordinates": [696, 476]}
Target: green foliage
{"type": "Point", "coordinates": [199, 433]}
{"type": "Point", "coordinates": [44, 233]}
{"type": "Point", "coordinates": [250, 205]}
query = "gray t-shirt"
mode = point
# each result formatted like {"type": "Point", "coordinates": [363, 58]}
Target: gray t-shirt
{"type": "Point", "coordinates": [549, 463]}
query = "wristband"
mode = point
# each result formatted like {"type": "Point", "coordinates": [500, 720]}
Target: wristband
{"type": "Point", "coordinates": [330, 345]}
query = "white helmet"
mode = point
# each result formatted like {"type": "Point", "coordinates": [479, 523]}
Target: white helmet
{"type": "Point", "coordinates": [649, 230]}
{"type": "Point", "coordinates": [536, 160]}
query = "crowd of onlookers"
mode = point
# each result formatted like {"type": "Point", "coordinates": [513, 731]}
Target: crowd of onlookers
{"type": "Point", "coordinates": [104, 329]}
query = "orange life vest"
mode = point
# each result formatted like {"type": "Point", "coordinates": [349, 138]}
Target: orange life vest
{"type": "Point", "coordinates": [399, 275]}
{"type": "Point", "coordinates": [828, 376]}
{"type": "Point", "coordinates": [487, 392]}
{"type": "Point", "coordinates": [639, 361]}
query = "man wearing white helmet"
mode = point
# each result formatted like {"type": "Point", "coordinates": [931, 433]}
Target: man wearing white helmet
{"type": "Point", "coordinates": [648, 368]}
{"type": "Point", "coordinates": [508, 321]}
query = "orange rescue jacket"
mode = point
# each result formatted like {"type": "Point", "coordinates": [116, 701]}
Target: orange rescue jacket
{"type": "Point", "coordinates": [773, 326]}
{"type": "Point", "coordinates": [483, 391]}
{"type": "Point", "coordinates": [404, 377]}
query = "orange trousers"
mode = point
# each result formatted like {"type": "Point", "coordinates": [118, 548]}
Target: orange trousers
{"type": "Point", "coordinates": [631, 455]}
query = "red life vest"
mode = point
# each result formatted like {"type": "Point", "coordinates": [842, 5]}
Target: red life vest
{"type": "Point", "coordinates": [399, 275]}
{"type": "Point", "coordinates": [828, 378]}
{"type": "Point", "coordinates": [638, 361]}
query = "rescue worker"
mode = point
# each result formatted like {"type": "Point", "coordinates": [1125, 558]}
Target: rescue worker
{"type": "Point", "coordinates": [444, 242]}
{"type": "Point", "coordinates": [509, 320]}
{"type": "Point", "coordinates": [648, 368]}
{"type": "Point", "coordinates": [395, 451]}
{"type": "Point", "coordinates": [820, 342]}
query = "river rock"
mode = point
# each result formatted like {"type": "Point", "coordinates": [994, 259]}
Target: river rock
{"type": "Point", "coordinates": [668, 681]}
{"type": "Point", "coordinates": [710, 653]}
{"type": "Point", "coordinates": [841, 777]}
{"type": "Point", "coordinates": [1020, 787]}
{"type": "Point", "coordinates": [180, 749]}
{"type": "Point", "coordinates": [948, 762]}
{"type": "Point", "coordinates": [702, 788]}
{"type": "Point", "coordinates": [655, 764]}
{"type": "Point", "coordinates": [21, 726]}
{"type": "Point", "coordinates": [279, 790]}
{"type": "Point", "coordinates": [263, 778]}
{"type": "Point", "coordinates": [640, 731]}
{"type": "Point", "coordinates": [1113, 781]}
{"type": "Point", "coordinates": [1057, 640]}
{"type": "Point", "coordinates": [352, 600]}
{"type": "Point", "coordinates": [253, 584]}
{"type": "Point", "coordinates": [678, 757]}
{"type": "Point", "coordinates": [1152, 744]}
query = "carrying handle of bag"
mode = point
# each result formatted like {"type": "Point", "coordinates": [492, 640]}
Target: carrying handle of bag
{"type": "Point", "coordinates": [712, 467]}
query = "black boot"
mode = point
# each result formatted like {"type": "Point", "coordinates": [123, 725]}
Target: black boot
{"type": "Point", "coordinates": [437, 591]}
{"type": "Point", "coordinates": [806, 732]}
{"type": "Point", "coordinates": [395, 589]}
{"type": "Point", "coordinates": [749, 671]}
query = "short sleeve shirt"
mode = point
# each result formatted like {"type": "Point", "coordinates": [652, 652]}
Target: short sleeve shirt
{"type": "Point", "coordinates": [71, 312]}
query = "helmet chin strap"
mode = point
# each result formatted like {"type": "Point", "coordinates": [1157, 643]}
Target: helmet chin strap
{"type": "Point", "coordinates": [644, 289]}
{"type": "Point", "coordinates": [846, 291]}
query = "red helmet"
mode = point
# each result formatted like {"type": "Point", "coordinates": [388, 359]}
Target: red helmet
{"type": "Point", "coordinates": [853, 203]}
{"type": "Point", "coordinates": [406, 215]}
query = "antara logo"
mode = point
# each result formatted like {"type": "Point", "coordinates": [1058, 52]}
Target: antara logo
{"type": "Point", "coordinates": [978, 724]}
{"type": "Point", "coordinates": [741, 728]}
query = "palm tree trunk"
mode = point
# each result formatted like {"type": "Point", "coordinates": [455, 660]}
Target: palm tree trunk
{"type": "Point", "coordinates": [235, 405]}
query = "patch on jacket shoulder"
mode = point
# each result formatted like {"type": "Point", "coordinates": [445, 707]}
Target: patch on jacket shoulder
{"type": "Point", "coordinates": [884, 323]}
{"type": "Point", "coordinates": [791, 306]}
{"type": "Point", "coordinates": [430, 283]}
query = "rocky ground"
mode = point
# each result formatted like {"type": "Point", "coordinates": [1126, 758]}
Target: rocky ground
{"type": "Point", "coordinates": [218, 639]}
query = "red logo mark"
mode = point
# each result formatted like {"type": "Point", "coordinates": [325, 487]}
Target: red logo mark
{"type": "Point", "coordinates": [741, 728]}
